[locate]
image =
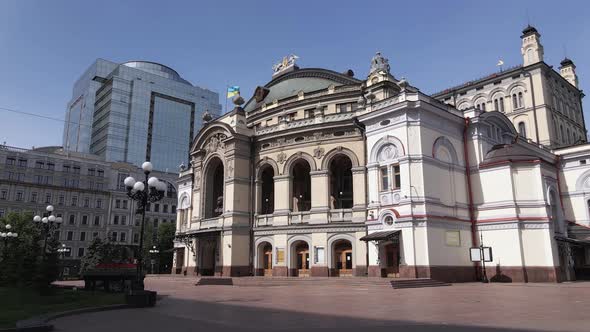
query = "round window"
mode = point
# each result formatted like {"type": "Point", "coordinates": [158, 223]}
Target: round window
{"type": "Point", "coordinates": [388, 220]}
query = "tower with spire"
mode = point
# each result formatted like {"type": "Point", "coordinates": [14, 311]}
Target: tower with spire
{"type": "Point", "coordinates": [531, 50]}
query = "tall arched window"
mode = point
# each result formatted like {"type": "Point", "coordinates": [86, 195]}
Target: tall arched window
{"type": "Point", "coordinates": [496, 105]}
{"type": "Point", "coordinates": [267, 192]}
{"type": "Point", "coordinates": [520, 100]}
{"type": "Point", "coordinates": [514, 101]}
{"type": "Point", "coordinates": [502, 104]}
{"type": "Point", "coordinates": [214, 189]}
{"type": "Point", "coordinates": [522, 129]}
{"type": "Point", "coordinates": [341, 182]}
{"type": "Point", "coordinates": [301, 186]}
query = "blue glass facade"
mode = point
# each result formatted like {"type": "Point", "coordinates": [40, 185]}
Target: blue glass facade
{"type": "Point", "coordinates": [137, 111]}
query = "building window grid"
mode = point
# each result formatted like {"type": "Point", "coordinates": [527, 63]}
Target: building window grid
{"type": "Point", "coordinates": [390, 177]}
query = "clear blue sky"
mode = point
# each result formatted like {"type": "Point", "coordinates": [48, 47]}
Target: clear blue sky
{"type": "Point", "coordinates": [46, 45]}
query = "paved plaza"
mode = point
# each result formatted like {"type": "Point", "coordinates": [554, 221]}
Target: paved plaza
{"type": "Point", "coordinates": [346, 305]}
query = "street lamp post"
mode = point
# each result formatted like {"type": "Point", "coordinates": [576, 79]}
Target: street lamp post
{"type": "Point", "coordinates": [49, 222]}
{"type": "Point", "coordinates": [154, 251]}
{"type": "Point", "coordinates": [5, 237]}
{"type": "Point", "coordinates": [62, 251]}
{"type": "Point", "coordinates": [143, 192]}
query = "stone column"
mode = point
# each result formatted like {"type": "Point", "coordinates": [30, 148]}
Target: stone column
{"type": "Point", "coordinates": [319, 196]}
{"type": "Point", "coordinates": [282, 197]}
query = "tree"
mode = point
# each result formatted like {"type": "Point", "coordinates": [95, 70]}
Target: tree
{"type": "Point", "coordinates": [166, 234]}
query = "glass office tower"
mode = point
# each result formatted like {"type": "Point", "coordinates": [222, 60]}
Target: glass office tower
{"type": "Point", "coordinates": [136, 111]}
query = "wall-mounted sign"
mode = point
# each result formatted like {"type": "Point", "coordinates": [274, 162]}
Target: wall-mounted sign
{"type": "Point", "coordinates": [280, 255]}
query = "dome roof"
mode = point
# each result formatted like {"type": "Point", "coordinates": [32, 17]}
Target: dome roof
{"type": "Point", "coordinates": [529, 30]}
{"type": "Point", "coordinates": [306, 80]}
{"type": "Point", "coordinates": [566, 62]}
{"type": "Point", "coordinates": [156, 69]}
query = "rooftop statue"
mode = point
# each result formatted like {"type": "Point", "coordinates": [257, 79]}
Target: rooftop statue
{"type": "Point", "coordinates": [379, 63]}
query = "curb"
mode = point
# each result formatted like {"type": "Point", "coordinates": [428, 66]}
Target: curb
{"type": "Point", "coordinates": [41, 323]}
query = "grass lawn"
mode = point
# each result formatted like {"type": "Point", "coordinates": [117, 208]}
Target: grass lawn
{"type": "Point", "coordinates": [22, 303]}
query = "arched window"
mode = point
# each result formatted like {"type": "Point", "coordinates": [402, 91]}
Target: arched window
{"type": "Point", "coordinates": [301, 186]}
{"type": "Point", "coordinates": [267, 192]}
{"type": "Point", "coordinates": [499, 104]}
{"type": "Point", "coordinates": [496, 105]}
{"type": "Point", "coordinates": [520, 100]}
{"type": "Point", "coordinates": [522, 129]}
{"type": "Point", "coordinates": [529, 53]}
{"type": "Point", "coordinates": [502, 104]}
{"type": "Point", "coordinates": [214, 189]}
{"type": "Point", "coordinates": [341, 182]}
{"type": "Point", "coordinates": [514, 101]}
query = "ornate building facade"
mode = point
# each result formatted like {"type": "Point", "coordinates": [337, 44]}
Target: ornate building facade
{"type": "Point", "coordinates": [324, 174]}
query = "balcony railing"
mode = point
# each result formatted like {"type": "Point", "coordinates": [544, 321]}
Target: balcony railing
{"type": "Point", "coordinates": [298, 217]}
{"type": "Point", "coordinates": [263, 220]}
{"type": "Point", "coordinates": [341, 215]}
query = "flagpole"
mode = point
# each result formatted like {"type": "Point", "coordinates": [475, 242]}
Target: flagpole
{"type": "Point", "coordinates": [226, 89]}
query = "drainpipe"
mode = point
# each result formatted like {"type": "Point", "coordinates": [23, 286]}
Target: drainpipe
{"type": "Point", "coordinates": [252, 207]}
{"type": "Point", "coordinates": [469, 191]}
{"type": "Point", "coordinates": [526, 73]}
{"type": "Point", "coordinates": [361, 127]}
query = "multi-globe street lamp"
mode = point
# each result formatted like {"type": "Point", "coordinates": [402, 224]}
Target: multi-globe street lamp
{"type": "Point", "coordinates": [48, 222]}
{"type": "Point", "coordinates": [5, 237]}
{"type": "Point", "coordinates": [62, 251]}
{"type": "Point", "coordinates": [154, 251]}
{"type": "Point", "coordinates": [143, 192]}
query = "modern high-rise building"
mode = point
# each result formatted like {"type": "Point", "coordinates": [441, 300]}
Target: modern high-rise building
{"type": "Point", "coordinates": [136, 111]}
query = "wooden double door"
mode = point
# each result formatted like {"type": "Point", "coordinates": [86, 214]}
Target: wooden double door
{"type": "Point", "coordinates": [392, 258]}
{"type": "Point", "coordinates": [302, 260]}
{"type": "Point", "coordinates": [267, 261]}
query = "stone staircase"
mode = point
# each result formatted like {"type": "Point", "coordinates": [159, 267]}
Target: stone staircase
{"type": "Point", "coordinates": [417, 283]}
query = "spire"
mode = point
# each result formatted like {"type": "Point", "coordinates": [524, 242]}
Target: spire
{"type": "Point", "coordinates": [531, 50]}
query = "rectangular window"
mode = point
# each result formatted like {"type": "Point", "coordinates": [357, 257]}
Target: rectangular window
{"type": "Point", "coordinates": [10, 161]}
{"type": "Point", "coordinates": [91, 171]}
{"type": "Point", "coordinates": [118, 204]}
{"type": "Point", "coordinates": [76, 169]}
{"type": "Point", "coordinates": [99, 186]}
{"type": "Point", "coordinates": [137, 221]}
{"type": "Point", "coordinates": [99, 203]}
{"type": "Point", "coordinates": [67, 253]}
{"type": "Point", "coordinates": [84, 220]}
{"type": "Point", "coordinates": [1, 213]}
{"type": "Point", "coordinates": [173, 209]}
{"type": "Point", "coordinates": [123, 220]}
{"type": "Point", "coordinates": [96, 220]}
{"type": "Point", "coordinates": [34, 197]}
{"type": "Point", "coordinates": [100, 173]}
{"type": "Point", "coordinates": [116, 220]}
{"type": "Point", "coordinates": [156, 207]}
{"type": "Point", "coordinates": [86, 202]}
{"type": "Point", "coordinates": [22, 163]}
{"type": "Point", "coordinates": [80, 252]}
{"type": "Point", "coordinates": [62, 200]}
{"type": "Point", "coordinates": [310, 113]}
{"type": "Point", "coordinates": [70, 236]}
{"type": "Point", "coordinates": [51, 166]}
{"type": "Point", "coordinates": [39, 164]}
{"type": "Point", "coordinates": [148, 207]}
{"type": "Point", "coordinates": [82, 236]}
{"type": "Point", "coordinates": [48, 179]}
{"type": "Point", "coordinates": [4, 194]}
{"type": "Point", "coordinates": [72, 220]}
{"type": "Point", "coordinates": [123, 237]}
{"type": "Point", "coordinates": [155, 224]}
{"type": "Point", "coordinates": [121, 177]}
{"type": "Point", "coordinates": [19, 196]}
{"type": "Point", "coordinates": [384, 174]}
{"type": "Point", "coordinates": [75, 183]}
{"type": "Point", "coordinates": [114, 236]}
{"type": "Point", "coordinates": [21, 177]}
{"type": "Point", "coordinates": [38, 179]}
{"type": "Point", "coordinates": [74, 201]}
{"type": "Point", "coordinates": [396, 177]}
{"type": "Point", "coordinates": [341, 108]}
{"type": "Point", "coordinates": [135, 238]}
{"type": "Point", "coordinates": [165, 208]}
{"type": "Point", "coordinates": [125, 204]}
{"type": "Point", "coordinates": [48, 198]}
{"type": "Point", "coordinates": [66, 168]}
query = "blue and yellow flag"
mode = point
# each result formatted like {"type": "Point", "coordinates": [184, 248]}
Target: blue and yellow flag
{"type": "Point", "coordinates": [232, 91]}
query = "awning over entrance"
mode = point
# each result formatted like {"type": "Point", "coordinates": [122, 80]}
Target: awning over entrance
{"type": "Point", "coordinates": [572, 240]}
{"type": "Point", "coordinates": [382, 236]}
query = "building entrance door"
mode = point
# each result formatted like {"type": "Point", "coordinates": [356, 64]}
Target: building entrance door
{"type": "Point", "coordinates": [392, 260]}
{"type": "Point", "coordinates": [267, 260]}
{"type": "Point", "coordinates": [208, 257]}
{"type": "Point", "coordinates": [343, 258]}
{"type": "Point", "coordinates": [302, 252]}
